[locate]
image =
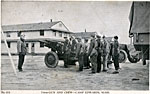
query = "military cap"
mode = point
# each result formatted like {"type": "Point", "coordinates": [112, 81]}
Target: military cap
{"type": "Point", "coordinates": [115, 37]}
{"type": "Point", "coordinates": [86, 39]}
{"type": "Point", "coordinates": [65, 37]}
{"type": "Point", "coordinates": [103, 36]}
{"type": "Point", "coordinates": [92, 35]}
{"type": "Point", "coordinates": [72, 37]}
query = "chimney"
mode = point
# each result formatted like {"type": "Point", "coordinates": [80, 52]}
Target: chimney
{"type": "Point", "coordinates": [85, 30]}
{"type": "Point", "coordinates": [51, 20]}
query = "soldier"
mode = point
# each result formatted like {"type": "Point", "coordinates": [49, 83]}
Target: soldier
{"type": "Point", "coordinates": [93, 54]}
{"type": "Point", "coordinates": [80, 54]}
{"type": "Point", "coordinates": [104, 54]}
{"type": "Point", "coordinates": [73, 44]}
{"type": "Point", "coordinates": [66, 50]}
{"type": "Point", "coordinates": [22, 50]}
{"type": "Point", "coordinates": [99, 50]}
{"type": "Point", "coordinates": [86, 59]}
{"type": "Point", "coordinates": [115, 54]}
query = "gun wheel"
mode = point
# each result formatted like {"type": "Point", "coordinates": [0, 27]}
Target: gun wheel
{"type": "Point", "coordinates": [51, 59]}
{"type": "Point", "coordinates": [122, 56]}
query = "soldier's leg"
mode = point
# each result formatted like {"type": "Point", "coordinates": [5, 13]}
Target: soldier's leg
{"type": "Point", "coordinates": [99, 62]}
{"type": "Point", "coordinates": [65, 60]}
{"type": "Point", "coordinates": [80, 62]}
{"type": "Point", "coordinates": [95, 64]}
{"type": "Point", "coordinates": [104, 63]}
{"type": "Point", "coordinates": [20, 62]}
{"type": "Point", "coordinates": [108, 61]}
{"type": "Point", "coordinates": [92, 63]}
{"type": "Point", "coordinates": [88, 61]}
{"type": "Point", "coordinates": [116, 64]}
{"type": "Point", "coordinates": [85, 61]}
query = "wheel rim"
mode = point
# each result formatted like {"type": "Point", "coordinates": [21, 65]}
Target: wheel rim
{"type": "Point", "coordinates": [122, 57]}
{"type": "Point", "coordinates": [51, 60]}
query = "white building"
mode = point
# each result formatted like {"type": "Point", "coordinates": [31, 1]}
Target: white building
{"type": "Point", "coordinates": [34, 32]}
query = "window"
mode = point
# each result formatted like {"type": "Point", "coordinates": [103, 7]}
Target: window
{"type": "Point", "coordinates": [60, 34]}
{"type": "Point", "coordinates": [41, 44]}
{"type": "Point", "coordinates": [18, 34]}
{"type": "Point", "coordinates": [54, 33]}
{"type": "Point", "coordinates": [41, 32]}
{"type": "Point", "coordinates": [32, 44]}
{"type": "Point", "coordinates": [8, 34]}
{"type": "Point", "coordinates": [8, 43]}
{"type": "Point", "coordinates": [27, 45]}
{"type": "Point", "coordinates": [65, 34]}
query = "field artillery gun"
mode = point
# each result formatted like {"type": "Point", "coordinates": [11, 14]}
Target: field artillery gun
{"type": "Point", "coordinates": [52, 57]}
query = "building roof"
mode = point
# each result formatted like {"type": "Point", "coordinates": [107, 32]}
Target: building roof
{"type": "Point", "coordinates": [31, 26]}
{"type": "Point", "coordinates": [84, 34]}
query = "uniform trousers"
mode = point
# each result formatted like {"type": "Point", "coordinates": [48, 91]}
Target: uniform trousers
{"type": "Point", "coordinates": [81, 61]}
{"type": "Point", "coordinates": [99, 62]}
{"type": "Point", "coordinates": [20, 61]}
{"type": "Point", "coordinates": [86, 61]}
{"type": "Point", "coordinates": [66, 59]}
{"type": "Point", "coordinates": [93, 60]}
{"type": "Point", "coordinates": [116, 62]}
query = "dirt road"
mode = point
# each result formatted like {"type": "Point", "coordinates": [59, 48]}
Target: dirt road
{"type": "Point", "coordinates": [36, 76]}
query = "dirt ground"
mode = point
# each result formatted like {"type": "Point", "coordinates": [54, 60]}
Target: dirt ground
{"type": "Point", "coordinates": [36, 76]}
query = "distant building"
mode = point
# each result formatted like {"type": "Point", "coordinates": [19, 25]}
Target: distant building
{"type": "Point", "coordinates": [34, 32]}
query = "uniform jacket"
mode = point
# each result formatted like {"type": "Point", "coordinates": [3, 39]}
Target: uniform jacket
{"type": "Point", "coordinates": [92, 49]}
{"type": "Point", "coordinates": [66, 46]}
{"type": "Point", "coordinates": [115, 48]}
{"type": "Point", "coordinates": [105, 48]}
{"type": "Point", "coordinates": [80, 49]}
{"type": "Point", "coordinates": [73, 45]}
{"type": "Point", "coordinates": [21, 47]}
{"type": "Point", "coordinates": [86, 48]}
{"type": "Point", "coordinates": [99, 46]}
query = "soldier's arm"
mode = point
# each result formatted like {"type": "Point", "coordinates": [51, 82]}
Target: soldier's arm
{"type": "Point", "coordinates": [63, 47]}
{"type": "Point", "coordinates": [19, 46]}
{"type": "Point", "coordinates": [78, 49]}
{"type": "Point", "coordinates": [90, 48]}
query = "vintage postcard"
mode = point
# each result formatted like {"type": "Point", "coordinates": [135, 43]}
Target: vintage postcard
{"type": "Point", "coordinates": [75, 47]}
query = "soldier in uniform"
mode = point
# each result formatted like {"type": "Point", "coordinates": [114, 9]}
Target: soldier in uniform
{"type": "Point", "coordinates": [86, 59]}
{"type": "Point", "coordinates": [93, 53]}
{"type": "Point", "coordinates": [115, 54]}
{"type": "Point", "coordinates": [73, 44]}
{"type": "Point", "coordinates": [104, 54]}
{"type": "Point", "coordinates": [22, 50]}
{"type": "Point", "coordinates": [99, 50]}
{"type": "Point", "coordinates": [80, 54]}
{"type": "Point", "coordinates": [66, 50]}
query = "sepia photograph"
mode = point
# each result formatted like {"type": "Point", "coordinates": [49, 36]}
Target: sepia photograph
{"type": "Point", "coordinates": [75, 45]}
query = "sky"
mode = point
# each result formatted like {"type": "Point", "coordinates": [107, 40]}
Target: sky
{"type": "Point", "coordinates": [106, 18]}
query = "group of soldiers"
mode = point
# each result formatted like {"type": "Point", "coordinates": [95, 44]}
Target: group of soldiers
{"type": "Point", "coordinates": [86, 53]}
